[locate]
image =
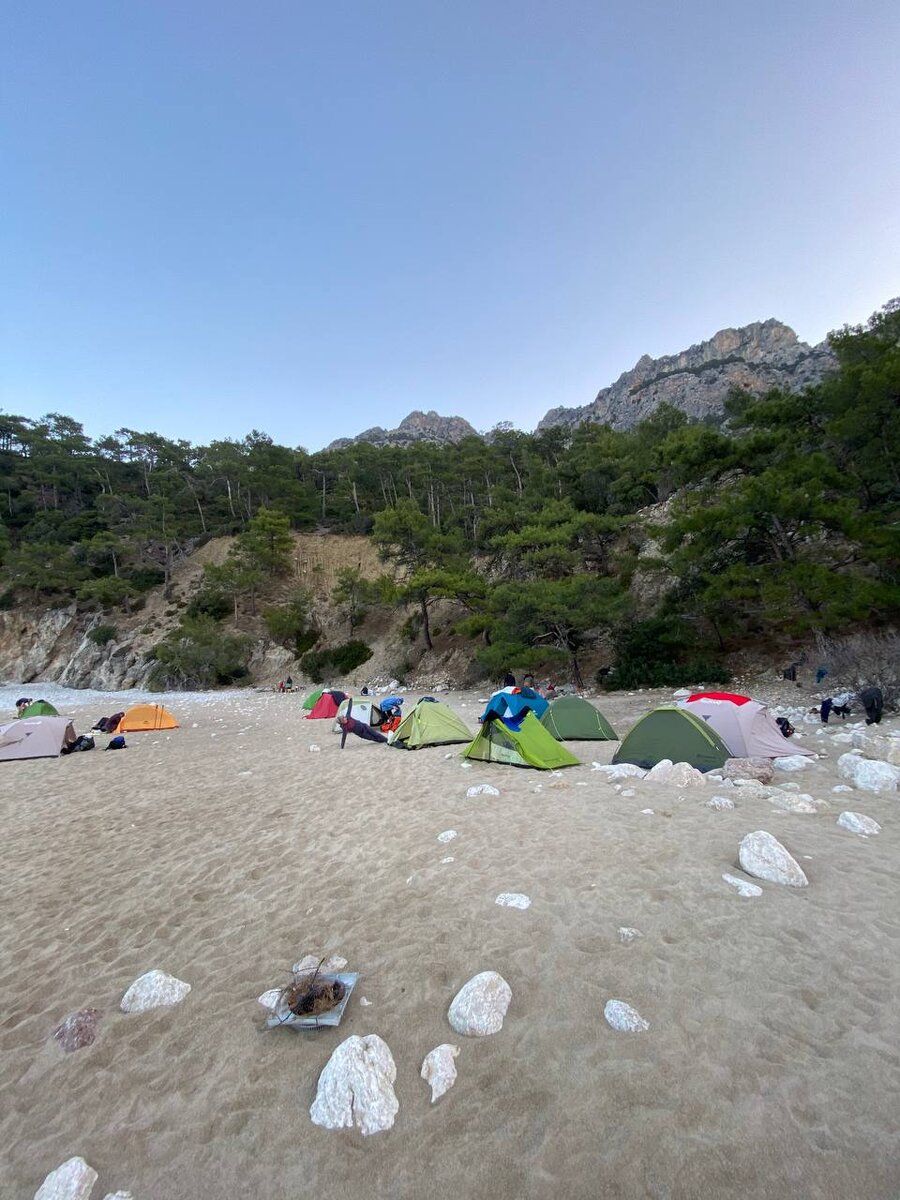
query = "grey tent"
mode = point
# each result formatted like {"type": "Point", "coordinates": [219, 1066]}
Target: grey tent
{"type": "Point", "coordinates": [35, 737]}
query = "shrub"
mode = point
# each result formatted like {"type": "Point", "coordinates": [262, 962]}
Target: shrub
{"type": "Point", "coordinates": [340, 659]}
{"type": "Point", "coordinates": [209, 603]}
{"type": "Point", "coordinates": [199, 654]}
{"type": "Point", "coordinates": [106, 592]}
{"type": "Point", "coordinates": [290, 626]}
{"type": "Point", "coordinates": [865, 659]}
{"type": "Point", "coordinates": [661, 652]}
{"type": "Point", "coordinates": [101, 634]}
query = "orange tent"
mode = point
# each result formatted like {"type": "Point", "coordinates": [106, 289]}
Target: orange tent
{"type": "Point", "coordinates": [144, 717]}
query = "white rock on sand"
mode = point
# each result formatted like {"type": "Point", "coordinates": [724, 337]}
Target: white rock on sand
{"type": "Point", "coordinates": [680, 774]}
{"type": "Point", "coordinates": [760, 769]}
{"type": "Point", "coordinates": [868, 773]}
{"type": "Point", "coordinates": [623, 1018]}
{"type": "Point", "coordinates": [719, 803]}
{"type": "Point", "coordinates": [356, 1087]}
{"type": "Point", "coordinates": [615, 771]}
{"type": "Point", "coordinates": [447, 836]}
{"type": "Point", "coordinates": [155, 989]}
{"type": "Point", "coordinates": [626, 934]}
{"type": "Point", "coordinates": [764, 857]}
{"type": "Point", "coordinates": [439, 1069]}
{"type": "Point", "coordinates": [269, 1000]}
{"type": "Point", "coordinates": [800, 802]}
{"type": "Point", "coordinates": [793, 762]}
{"type": "Point", "coordinates": [858, 823]}
{"type": "Point", "coordinates": [309, 962]}
{"type": "Point", "coordinates": [513, 900]}
{"type": "Point", "coordinates": [73, 1180]}
{"type": "Point", "coordinates": [743, 887]}
{"type": "Point", "coordinates": [480, 1005]}
{"type": "Point", "coordinates": [482, 789]}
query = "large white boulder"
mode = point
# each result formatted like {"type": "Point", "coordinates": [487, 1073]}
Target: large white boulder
{"type": "Point", "coordinates": [74, 1180]}
{"type": "Point", "coordinates": [764, 857]}
{"type": "Point", "coordinates": [480, 1005]}
{"type": "Point", "coordinates": [439, 1069]}
{"type": "Point", "coordinates": [870, 774]}
{"type": "Point", "coordinates": [680, 774]}
{"type": "Point", "coordinates": [356, 1087]}
{"type": "Point", "coordinates": [793, 762]}
{"type": "Point", "coordinates": [858, 823]}
{"type": "Point", "coordinates": [760, 769]}
{"type": "Point", "coordinates": [155, 989]}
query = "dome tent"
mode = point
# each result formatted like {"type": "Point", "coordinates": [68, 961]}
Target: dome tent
{"type": "Point", "coordinates": [145, 718]}
{"type": "Point", "coordinates": [673, 733]}
{"type": "Point", "coordinates": [430, 723]}
{"type": "Point", "coordinates": [571, 719]}
{"type": "Point", "coordinates": [743, 724]}
{"type": "Point", "coordinates": [35, 737]}
{"type": "Point", "coordinates": [523, 744]}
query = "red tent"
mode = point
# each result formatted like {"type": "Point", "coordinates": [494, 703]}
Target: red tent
{"type": "Point", "coordinates": [324, 709]}
{"type": "Point", "coordinates": [732, 696]}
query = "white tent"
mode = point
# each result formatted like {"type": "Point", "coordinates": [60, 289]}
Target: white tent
{"type": "Point", "coordinates": [745, 726]}
{"type": "Point", "coordinates": [363, 709]}
{"type": "Point", "coordinates": [35, 737]}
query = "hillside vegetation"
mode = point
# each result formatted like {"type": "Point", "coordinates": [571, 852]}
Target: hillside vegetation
{"type": "Point", "coordinates": [785, 521]}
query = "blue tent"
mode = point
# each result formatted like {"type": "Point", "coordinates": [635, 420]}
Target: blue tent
{"type": "Point", "coordinates": [514, 705]}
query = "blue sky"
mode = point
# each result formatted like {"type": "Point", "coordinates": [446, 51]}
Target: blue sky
{"type": "Point", "coordinates": [311, 219]}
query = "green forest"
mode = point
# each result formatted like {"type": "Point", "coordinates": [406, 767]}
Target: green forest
{"type": "Point", "coordinates": [782, 521]}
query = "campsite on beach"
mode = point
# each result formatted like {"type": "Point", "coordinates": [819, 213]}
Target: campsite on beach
{"type": "Point", "coordinates": [583, 961]}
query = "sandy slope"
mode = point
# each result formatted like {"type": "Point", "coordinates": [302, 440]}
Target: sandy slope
{"type": "Point", "coordinates": [225, 850]}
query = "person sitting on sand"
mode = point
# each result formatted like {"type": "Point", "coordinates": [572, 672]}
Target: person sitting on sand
{"type": "Point", "coordinates": [350, 724]}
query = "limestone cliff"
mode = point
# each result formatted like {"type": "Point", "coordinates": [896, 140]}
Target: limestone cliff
{"type": "Point", "coordinates": [757, 357]}
{"type": "Point", "coordinates": [417, 427]}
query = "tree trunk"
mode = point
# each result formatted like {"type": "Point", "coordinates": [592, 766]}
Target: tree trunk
{"type": "Point", "coordinates": [426, 628]}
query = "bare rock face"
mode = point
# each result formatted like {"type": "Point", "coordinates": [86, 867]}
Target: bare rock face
{"type": "Point", "coordinates": [480, 1005]}
{"type": "Point", "coordinates": [74, 1180]}
{"type": "Point", "coordinates": [764, 857]}
{"type": "Point", "coordinates": [868, 773]}
{"type": "Point", "coordinates": [78, 1029]}
{"type": "Point", "coordinates": [439, 1069]}
{"type": "Point", "coordinates": [156, 989]}
{"type": "Point", "coordinates": [417, 427]}
{"type": "Point", "coordinates": [760, 769]}
{"type": "Point", "coordinates": [356, 1087]}
{"type": "Point", "coordinates": [757, 357]}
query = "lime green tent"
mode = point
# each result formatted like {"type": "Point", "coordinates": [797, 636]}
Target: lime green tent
{"type": "Point", "coordinates": [310, 701]}
{"type": "Point", "coordinates": [430, 723]}
{"type": "Point", "coordinates": [530, 745]}
{"type": "Point", "coordinates": [673, 733]}
{"type": "Point", "coordinates": [40, 708]}
{"type": "Point", "coordinates": [571, 719]}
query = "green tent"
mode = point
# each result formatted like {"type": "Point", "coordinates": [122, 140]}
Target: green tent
{"type": "Point", "coordinates": [676, 734]}
{"type": "Point", "coordinates": [310, 701]}
{"type": "Point", "coordinates": [571, 719]}
{"type": "Point", "coordinates": [530, 745]}
{"type": "Point", "coordinates": [40, 708]}
{"type": "Point", "coordinates": [430, 723]}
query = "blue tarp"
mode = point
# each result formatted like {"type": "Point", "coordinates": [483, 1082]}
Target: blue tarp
{"type": "Point", "coordinates": [514, 705]}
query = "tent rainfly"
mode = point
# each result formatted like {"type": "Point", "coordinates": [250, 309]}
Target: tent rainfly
{"type": "Point", "coordinates": [146, 718]}
{"type": "Point", "coordinates": [430, 723]}
{"type": "Point", "coordinates": [524, 744]}
{"type": "Point", "coordinates": [35, 737]}
{"type": "Point", "coordinates": [39, 708]}
{"type": "Point", "coordinates": [363, 710]}
{"type": "Point", "coordinates": [310, 701]}
{"type": "Point", "coordinates": [673, 733]}
{"type": "Point", "coordinates": [572, 719]}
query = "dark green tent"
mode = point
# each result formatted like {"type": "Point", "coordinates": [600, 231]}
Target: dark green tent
{"type": "Point", "coordinates": [530, 745]}
{"type": "Point", "coordinates": [571, 719]}
{"type": "Point", "coordinates": [672, 733]}
{"type": "Point", "coordinates": [40, 708]}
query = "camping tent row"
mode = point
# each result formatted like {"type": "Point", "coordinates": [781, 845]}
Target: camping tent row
{"type": "Point", "coordinates": [705, 731]}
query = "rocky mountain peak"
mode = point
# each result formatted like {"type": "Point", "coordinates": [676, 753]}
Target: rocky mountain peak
{"type": "Point", "coordinates": [416, 427]}
{"type": "Point", "coordinates": [756, 357]}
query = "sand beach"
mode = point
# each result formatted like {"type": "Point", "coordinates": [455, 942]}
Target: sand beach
{"type": "Point", "coordinates": [225, 850]}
